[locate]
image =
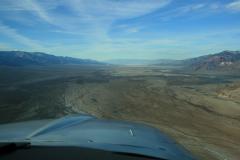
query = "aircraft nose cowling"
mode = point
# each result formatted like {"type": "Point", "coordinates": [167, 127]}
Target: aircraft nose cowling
{"type": "Point", "coordinates": [117, 136]}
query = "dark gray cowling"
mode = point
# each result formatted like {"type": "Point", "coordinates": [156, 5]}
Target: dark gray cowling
{"type": "Point", "coordinates": [90, 132]}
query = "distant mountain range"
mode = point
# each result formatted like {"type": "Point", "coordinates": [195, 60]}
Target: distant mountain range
{"type": "Point", "coordinates": [226, 60]}
{"type": "Point", "coordinates": [223, 61]}
{"type": "Point", "coordinates": [20, 58]}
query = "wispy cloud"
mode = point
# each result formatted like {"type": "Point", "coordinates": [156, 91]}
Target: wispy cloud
{"type": "Point", "coordinates": [85, 11]}
{"type": "Point", "coordinates": [91, 18]}
{"type": "Point", "coordinates": [27, 6]}
{"type": "Point", "coordinates": [203, 8]}
{"type": "Point", "coordinates": [215, 6]}
{"type": "Point", "coordinates": [235, 5]}
{"type": "Point", "coordinates": [12, 33]}
{"type": "Point", "coordinates": [99, 28]}
{"type": "Point", "coordinates": [96, 16]}
{"type": "Point", "coordinates": [188, 9]}
{"type": "Point", "coordinates": [128, 28]}
{"type": "Point", "coordinates": [111, 9]}
{"type": "Point", "coordinates": [40, 11]}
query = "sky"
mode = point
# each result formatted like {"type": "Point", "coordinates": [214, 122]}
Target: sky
{"type": "Point", "coordinates": [120, 29]}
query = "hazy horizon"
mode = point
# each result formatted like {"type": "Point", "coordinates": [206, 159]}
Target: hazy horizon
{"type": "Point", "coordinates": [111, 29]}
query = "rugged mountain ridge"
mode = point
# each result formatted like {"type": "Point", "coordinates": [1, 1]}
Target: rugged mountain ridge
{"type": "Point", "coordinates": [21, 58]}
{"type": "Point", "coordinates": [226, 60]}
{"type": "Point", "coordinates": [223, 61]}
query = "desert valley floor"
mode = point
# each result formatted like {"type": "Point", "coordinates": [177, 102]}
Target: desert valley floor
{"type": "Point", "coordinates": [199, 111]}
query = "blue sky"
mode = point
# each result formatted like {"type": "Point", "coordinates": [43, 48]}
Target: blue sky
{"type": "Point", "coordinates": [115, 29]}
